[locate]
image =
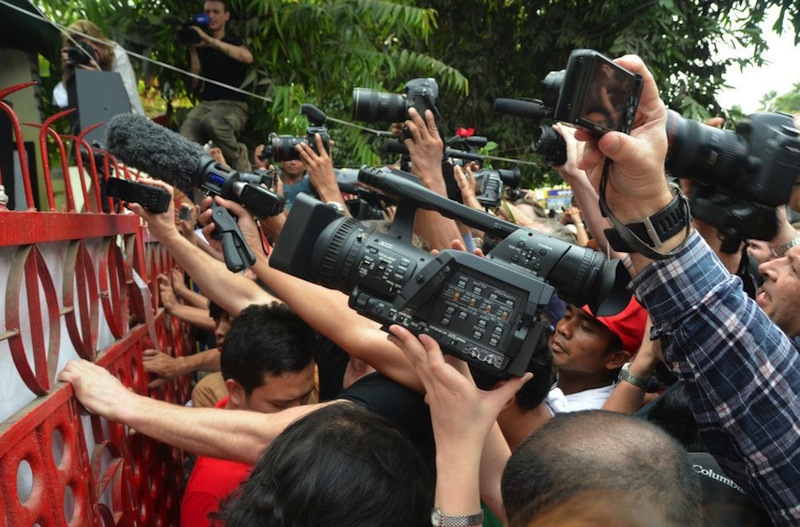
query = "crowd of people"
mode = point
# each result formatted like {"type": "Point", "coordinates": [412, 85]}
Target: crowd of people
{"type": "Point", "coordinates": [679, 409]}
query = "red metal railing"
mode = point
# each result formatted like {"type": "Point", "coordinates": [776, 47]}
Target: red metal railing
{"type": "Point", "coordinates": [79, 284]}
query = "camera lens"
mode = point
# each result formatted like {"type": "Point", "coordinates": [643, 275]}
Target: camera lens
{"type": "Point", "coordinates": [510, 176]}
{"type": "Point", "coordinates": [549, 144]}
{"type": "Point", "coordinates": [705, 154]}
{"type": "Point", "coordinates": [372, 105]}
{"type": "Point", "coordinates": [551, 88]}
{"type": "Point", "coordinates": [283, 148]}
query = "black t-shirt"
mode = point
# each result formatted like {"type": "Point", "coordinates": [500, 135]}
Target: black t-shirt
{"type": "Point", "coordinates": [218, 66]}
{"type": "Point", "coordinates": [405, 408]}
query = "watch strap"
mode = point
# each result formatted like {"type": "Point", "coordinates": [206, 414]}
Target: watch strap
{"type": "Point", "coordinates": [626, 375]}
{"type": "Point", "coordinates": [780, 251]}
{"type": "Point", "coordinates": [439, 519]}
{"type": "Point", "coordinates": [654, 230]}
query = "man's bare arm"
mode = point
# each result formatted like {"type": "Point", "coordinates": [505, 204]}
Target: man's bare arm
{"type": "Point", "coordinates": [226, 434]}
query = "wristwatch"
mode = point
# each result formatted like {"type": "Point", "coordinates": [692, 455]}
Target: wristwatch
{"type": "Point", "coordinates": [653, 230]}
{"type": "Point", "coordinates": [335, 205]}
{"type": "Point", "coordinates": [780, 251]}
{"type": "Point", "coordinates": [626, 375]}
{"type": "Point", "coordinates": [438, 519]}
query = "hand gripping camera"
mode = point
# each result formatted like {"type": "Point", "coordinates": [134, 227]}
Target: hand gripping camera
{"type": "Point", "coordinates": [483, 310]}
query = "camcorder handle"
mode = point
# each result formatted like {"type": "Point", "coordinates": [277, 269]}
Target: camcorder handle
{"type": "Point", "coordinates": [238, 255]}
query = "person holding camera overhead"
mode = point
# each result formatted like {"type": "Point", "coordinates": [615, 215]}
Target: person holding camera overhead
{"type": "Point", "coordinates": [84, 46]}
{"type": "Point", "coordinates": [221, 113]}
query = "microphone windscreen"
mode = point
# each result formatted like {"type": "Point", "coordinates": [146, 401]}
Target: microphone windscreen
{"type": "Point", "coordinates": [532, 109]}
{"type": "Point", "coordinates": [163, 154]}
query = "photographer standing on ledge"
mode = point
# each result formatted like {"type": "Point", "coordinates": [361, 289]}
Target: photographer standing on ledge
{"type": "Point", "coordinates": [221, 112]}
{"type": "Point", "coordinates": [84, 46]}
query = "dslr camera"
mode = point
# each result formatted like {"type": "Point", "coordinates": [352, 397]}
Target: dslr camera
{"type": "Point", "coordinates": [81, 54]}
{"type": "Point", "coordinates": [283, 147]}
{"type": "Point", "coordinates": [741, 175]}
{"type": "Point", "coordinates": [483, 310]}
{"type": "Point", "coordinates": [371, 105]}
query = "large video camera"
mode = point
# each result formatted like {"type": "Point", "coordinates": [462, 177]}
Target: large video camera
{"type": "Point", "coordinates": [186, 36]}
{"type": "Point", "coordinates": [283, 147]}
{"type": "Point", "coordinates": [483, 310]}
{"type": "Point", "coordinates": [742, 175]}
{"type": "Point", "coordinates": [371, 105]}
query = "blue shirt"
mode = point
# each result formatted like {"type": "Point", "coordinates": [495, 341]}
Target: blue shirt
{"type": "Point", "coordinates": [291, 191]}
{"type": "Point", "coordinates": [742, 373]}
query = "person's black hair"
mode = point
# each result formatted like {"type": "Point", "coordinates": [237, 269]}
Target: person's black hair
{"type": "Point", "coordinates": [672, 412]}
{"type": "Point", "coordinates": [339, 465]}
{"type": "Point", "coordinates": [266, 339]}
{"type": "Point", "coordinates": [601, 453]}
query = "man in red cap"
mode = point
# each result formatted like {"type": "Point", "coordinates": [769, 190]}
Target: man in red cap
{"type": "Point", "coordinates": [588, 352]}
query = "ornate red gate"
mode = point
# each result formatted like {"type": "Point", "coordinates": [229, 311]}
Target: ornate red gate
{"type": "Point", "coordinates": [79, 282]}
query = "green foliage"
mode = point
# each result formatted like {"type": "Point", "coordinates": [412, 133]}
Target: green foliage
{"type": "Point", "coordinates": [788, 102]}
{"type": "Point", "coordinates": [317, 51]}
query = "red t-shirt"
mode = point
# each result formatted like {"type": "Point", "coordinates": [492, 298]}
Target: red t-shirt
{"type": "Point", "coordinates": [212, 480]}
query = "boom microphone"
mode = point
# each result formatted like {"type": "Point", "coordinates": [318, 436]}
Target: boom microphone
{"type": "Point", "coordinates": [139, 142]}
{"type": "Point", "coordinates": [168, 156]}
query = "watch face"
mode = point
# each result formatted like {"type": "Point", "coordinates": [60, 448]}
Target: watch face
{"type": "Point", "coordinates": [436, 517]}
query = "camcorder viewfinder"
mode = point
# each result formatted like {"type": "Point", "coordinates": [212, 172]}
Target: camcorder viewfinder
{"type": "Point", "coordinates": [593, 93]}
{"type": "Point", "coordinates": [153, 199]}
{"type": "Point", "coordinates": [483, 310]}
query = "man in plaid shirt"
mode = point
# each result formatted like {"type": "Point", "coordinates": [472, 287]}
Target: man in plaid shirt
{"type": "Point", "coordinates": [735, 355]}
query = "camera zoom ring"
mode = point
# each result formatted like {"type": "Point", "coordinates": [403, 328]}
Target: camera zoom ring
{"type": "Point", "coordinates": [578, 286]}
{"type": "Point", "coordinates": [332, 255]}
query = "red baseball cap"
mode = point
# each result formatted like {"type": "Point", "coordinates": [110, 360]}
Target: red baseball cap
{"type": "Point", "coordinates": [628, 324]}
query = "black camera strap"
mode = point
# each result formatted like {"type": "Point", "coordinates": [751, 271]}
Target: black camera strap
{"type": "Point", "coordinates": [656, 229]}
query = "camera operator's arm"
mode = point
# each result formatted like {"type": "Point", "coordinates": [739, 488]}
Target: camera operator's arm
{"type": "Point", "coordinates": [233, 434]}
{"type": "Point", "coordinates": [189, 296]}
{"type": "Point", "coordinates": [327, 310]}
{"type": "Point", "coordinates": [582, 189]}
{"type": "Point", "coordinates": [463, 419]}
{"type": "Point", "coordinates": [740, 370]}
{"type": "Point", "coordinates": [425, 147]}
{"type": "Point", "coordinates": [237, 53]}
{"type": "Point", "coordinates": [320, 170]}
{"type": "Point", "coordinates": [166, 367]}
{"type": "Point", "coordinates": [572, 216]}
{"type": "Point", "coordinates": [231, 291]}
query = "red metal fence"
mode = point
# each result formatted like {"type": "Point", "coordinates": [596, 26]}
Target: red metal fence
{"type": "Point", "coordinates": [79, 283]}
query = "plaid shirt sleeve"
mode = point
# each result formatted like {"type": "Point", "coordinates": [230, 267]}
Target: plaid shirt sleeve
{"type": "Point", "coordinates": [741, 372]}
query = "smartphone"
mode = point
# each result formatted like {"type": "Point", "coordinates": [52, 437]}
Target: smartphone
{"type": "Point", "coordinates": [154, 199]}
